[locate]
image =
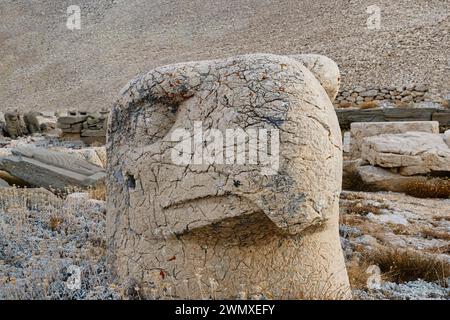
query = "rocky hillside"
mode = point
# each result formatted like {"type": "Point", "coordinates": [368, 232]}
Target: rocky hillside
{"type": "Point", "coordinates": [45, 66]}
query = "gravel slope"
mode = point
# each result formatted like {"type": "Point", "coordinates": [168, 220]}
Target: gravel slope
{"type": "Point", "coordinates": [45, 66]}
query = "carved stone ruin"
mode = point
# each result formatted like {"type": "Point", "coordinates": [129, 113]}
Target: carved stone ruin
{"type": "Point", "coordinates": [51, 169]}
{"type": "Point", "coordinates": [15, 125]}
{"type": "Point", "coordinates": [216, 230]}
{"type": "Point", "coordinates": [85, 126]}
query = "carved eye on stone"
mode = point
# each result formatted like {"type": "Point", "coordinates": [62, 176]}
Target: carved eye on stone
{"type": "Point", "coordinates": [155, 122]}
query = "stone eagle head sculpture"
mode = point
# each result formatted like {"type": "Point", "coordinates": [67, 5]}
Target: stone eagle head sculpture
{"type": "Point", "coordinates": [224, 179]}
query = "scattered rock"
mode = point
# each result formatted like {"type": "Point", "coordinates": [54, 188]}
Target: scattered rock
{"type": "Point", "coordinates": [51, 169]}
{"type": "Point", "coordinates": [412, 152]}
{"type": "Point", "coordinates": [388, 218]}
{"type": "Point", "coordinates": [369, 93]}
{"type": "Point", "coordinates": [366, 239]}
{"type": "Point", "coordinates": [361, 130]}
{"type": "Point", "coordinates": [94, 155]}
{"type": "Point", "coordinates": [370, 178]}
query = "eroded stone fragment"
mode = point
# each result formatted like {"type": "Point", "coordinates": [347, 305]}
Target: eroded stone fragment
{"type": "Point", "coordinates": [361, 130]}
{"type": "Point", "coordinates": [50, 169]}
{"type": "Point", "coordinates": [411, 152]}
{"type": "Point", "coordinates": [381, 179]}
{"type": "Point", "coordinates": [198, 228]}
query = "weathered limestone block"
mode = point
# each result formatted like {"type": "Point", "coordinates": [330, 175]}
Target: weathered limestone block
{"type": "Point", "coordinates": [361, 130]}
{"type": "Point", "coordinates": [15, 125]}
{"type": "Point", "coordinates": [50, 169]}
{"type": "Point", "coordinates": [446, 137]}
{"type": "Point", "coordinates": [198, 228]}
{"type": "Point", "coordinates": [370, 178]}
{"type": "Point", "coordinates": [95, 156]}
{"type": "Point", "coordinates": [411, 152]}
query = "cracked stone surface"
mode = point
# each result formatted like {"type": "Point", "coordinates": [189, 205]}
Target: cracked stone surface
{"type": "Point", "coordinates": [361, 130]}
{"type": "Point", "coordinates": [222, 230]}
{"type": "Point", "coordinates": [411, 152]}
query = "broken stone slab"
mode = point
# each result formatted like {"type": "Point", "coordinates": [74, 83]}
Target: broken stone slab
{"type": "Point", "coordinates": [51, 169]}
{"type": "Point", "coordinates": [361, 130]}
{"type": "Point", "coordinates": [11, 180]}
{"type": "Point", "coordinates": [226, 224]}
{"type": "Point", "coordinates": [370, 178]}
{"type": "Point", "coordinates": [74, 128]}
{"type": "Point", "coordinates": [4, 184]}
{"type": "Point", "coordinates": [93, 133]}
{"type": "Point", "coordinates": [94, 155]}
{"type": "Point", "coordinates": [71, 120]}
{"type": "Point", "coordinates": [411, 152]}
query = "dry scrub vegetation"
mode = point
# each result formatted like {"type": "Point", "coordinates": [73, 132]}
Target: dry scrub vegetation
{"type": "Point", "coordinates": [42, 235]}
{"type": "Point", "coordinates": [429, 189]}
{"type": "Point", "coordinates": [40, 240]}
{"type": "Point", "coordinates": [407, 238]}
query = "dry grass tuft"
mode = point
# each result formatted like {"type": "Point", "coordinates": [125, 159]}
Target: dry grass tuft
{"type": "Point", "coordinates": [402, 104]}
{"type": "Point", "coordinates": [432, 188]}
{"type": "Point", "coordinates": [435, 234]}
{"type": "Point", "coordinates": [369, 104]}
{"type": "Point", "coordinates": [98, 192]}
{"type": "Point", "coordinates": [54, 222]}
{"type": "Point", "coordinates": [402, 265]}
{"type": "Point", "coordinates": [362, 209]}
